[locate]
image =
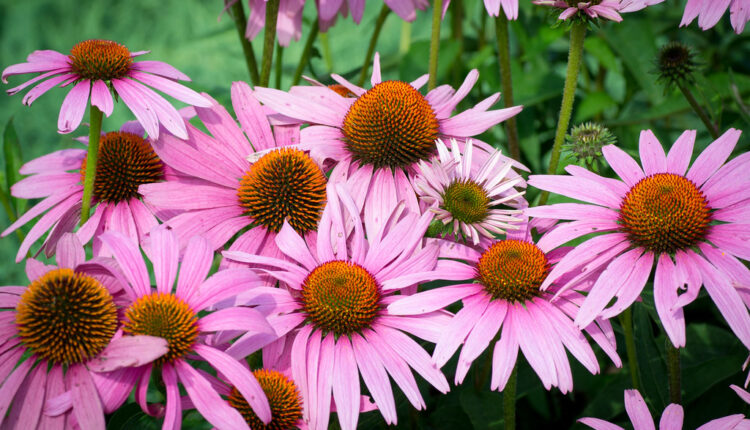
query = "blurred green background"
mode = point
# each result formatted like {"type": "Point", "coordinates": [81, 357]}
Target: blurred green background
{"type": "Point", "coordinates": [617, 87]}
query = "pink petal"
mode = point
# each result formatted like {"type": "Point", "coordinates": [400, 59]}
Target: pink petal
{"type": "Point", "coordinates": [250, 114]}
{"type": "Point", "coordinates": [597, 424]}
{"type": "Point", "coordinates": [672, 417]}
{"type": "Point", "coordinates": [444, 109]}
{"type": "Point", "coordinates": [460, 327]}
{"type": "Point", "coordinates": [196, 263]}
{"type": "Point", "coordinates": [173, 410]}
{"type": "Point", "coordinates": [652, 154]}
{"type": "Point", "coordinates": [235, 318]}
{"type": "Point", "coordinates": [573, 211]}
{"type": "Point", "coordinates": [321, 416]}
{"type": "Point", "coordinates": [679, 156]}
{"type": "Point", "coordinates": [73, 107]}
{"type": "Point", "coordinates": [470, 122]}
{"type": "Point", "coordinates": [129, 257]}
{"type": "Point", "coordinates": [222, 285]}
{"type": "Point", "coordinates": [298, 107]}
{"type": "Point", "coordinates": [140, 108]}
{"type": "Point", "coordinates": [128, 351]}
{"type": "Point", "coordinates": [32, 67]}
{"type": "Point", "coordinates": [28, 401]}
{"type": "Point", "coordinates": [292, 245]}
{"type": "Point", "coordinates": [638, 411]}
{"type": "Point", "coordinates": [178, 91]}
{"type": "Point", "coordinates": [713, 157]}
{"type": "Point", "coordinates": [346, 384]}
{"type": "Point", "coordinates": [101, 98]}
{"type": "Point", "coordinates": [432, 300]}
{"type": "Point", "coordinates": [62, 160]}
{"type": "Point", "coordinates": [577, 188]}
{"type": "Point", "coordinates": [623, 164]}
{"type": "Point", "coordinates": [70, 252]}
{"type": "Point", "coordinates": [164, 254]}
{"type": "Point", "coordinates": [582, 254]}
{"type": "Point", "coordinates": [529, 336]}
{"type": "Point", "coordinates": [240, 377]}
{"type": "Point", "coordinates": [87, 407]}
{"type": "Point", "coordinates": [55, 387]}
{"type": "Point", "coordinates": [43, 87]}
{"type": "Point", "coordinates": [207, 401]}
{"type": "Point", "coordinates": [480, 337]}
{"type": "Point", "coordinates": [159, 68]}
{"type": "Point", "coordinates": [115, 387]}
{"type": "Point", "coordinates": [398, 370]}
{"type": "Point", "coordinates": [375, 377]}
{"type": "Point", "coordinates": [665, 296]}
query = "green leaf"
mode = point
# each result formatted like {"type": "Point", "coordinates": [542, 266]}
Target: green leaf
{"type": "Point", "coordinates": [651, 364]}
{"type": "Point", "coordinates": [13, 161]}
{"type": "Point", "coordinates": [485, 409]}
{"type": "Point", "coordinates": [130, 416]}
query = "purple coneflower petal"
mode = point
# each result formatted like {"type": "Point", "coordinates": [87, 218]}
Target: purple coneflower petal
{"type": "Point", "coordinates": [623, 164]}
{"type": "Point", "coordinates": [64, 159]}
{"type": "Point", "coordinates": [652, 154]}
{"type": "Point", "coordinates": [128, 351]}
{"type": "Point", "coordinates": [504, 354]}
{"type": "Point", "coordinates": [480, 336]}
{"type": "Point", "coordinates": [45, 223]}
{"type": "Point", "coordinates": [251, 117]}
{"type": "Point", "coordinates": [73, 107]}
{"type": "Point", "coordinates": [709, 161]}
{"type": "Point", "coordinates": [114, 387]}
{"type": "Point", "coordinates": [638, 411]}
{"type": "Point", "coordinates": [398, 370]}
{"type": "Point", "coordinates": [325, 382]}
{"type": "Point", "coordinates": [87, 408]}
{"type": "Point", "coordinates": [375, 377]}
{"type": "Point", "coordinates": [101, 98]}
{"type": "Point", "coordinates": [221, 285]}
{"type": "Point", "coordinates": [28, 401]}
{"type": "Point", "coordinates": [461, 324]}
{"type": "Point", "coordinates": [679, 155]}
{"type": "Point", "coordinates": [141, 109]}
{"type": "Point", "coordinates": [164, 255]}
{"type": "Point", "coordinates": [129, 257]}
{"type": "Point", "coordinates": [346, 384]}
{"type": "Point", "coordinates": [665, 297]}
{"type": "Point", "coordinates": [44, 185]}
{"type": "Point", "coordinates": [159, 68]}
{"type": "Point", "coordinates": [173, 411]}
{"type": "Point", "coordinates": [236, 318]}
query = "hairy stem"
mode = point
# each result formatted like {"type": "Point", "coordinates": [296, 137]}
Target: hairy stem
{"type": "Point", "coordinates": [95, 130]}
{"type": "Point", "coordinates": [240, 21]}
{"type": "Point", "coordinates": [626, 320]}
{"type": "Point", "coordinates": [509, 400]}
{"type": "Point", "coordinates": [269, 41]}
{"type": "Point", "coordinates": [503, 53]}
{"type": "Point", "coordinates": [384, 11]}
{"type": "Point", "coordinates": [305, 58]}
{"type": "Point", "coordinates": [698, 110]}
{"type": "Point", "coordinates": [437, 20]}
{"type": "Point", "coordinates": [575, 54]}
{"type": "Point", "coordinates": [279, 64]}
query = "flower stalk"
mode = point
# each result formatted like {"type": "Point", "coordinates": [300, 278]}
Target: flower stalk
{"type": "Point", "coordinates": [503, 53]}
{"type": "Point", "coordinates": [305, 57]}
{"type": "Point", "coordinates": [575, 55]}
{"type": "Point", "coordinates": [437, 19]}
{"type": "Point", "coordinates": [240, 21]}
{"type": "Point", "coordinates": [627, 325]}
{"type": "Point", "coordinates": [384, 11]}
{"type": "Point", "coordinates": [95, 131]}
{"type": "Point", "coordinates": [673, 365]}
{"type": "Point", "coordinates": [710, 126]}
{"type": "Point", "coordinates": [269, 41]}
{"type": "Point", "coordinates": [509, 400]}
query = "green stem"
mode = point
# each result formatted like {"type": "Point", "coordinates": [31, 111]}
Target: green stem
{"type": "Point", "coordinates": [326, 52]}
{"type": "Point", "coordinates": [503, 53]}
{"type": "Point", "coordinates": [437, 19]}
{"type": "Point", "coordinates": [240, 21]}
{"type": "Point", "coordinates": [384, 11]}
{"type": "Point", "coordinates": [279, 61]}
{"type": "Point", "coordinates": [673, 364]}
{"type": "Point", "coordinates": [269, 41]}
{"type": "Point", "coordinates": [95, 130]}
{"type": "Point", "coordinates": [577, 34]}
{"type": "Point", "coordinates": [509, 400]}
{"type": "Point", "coordinates": [404, 42]}
{"type": "Point", "coordinates": [626, 320]}
{"type": "Point", "coordinates": [698, 110]}
{"type": "Point", "coordinates": [305, 58]}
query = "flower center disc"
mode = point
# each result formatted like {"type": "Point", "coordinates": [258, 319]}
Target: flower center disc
{"type": "Point", "coordinates": [125, 162]}
{"type": "Point", "coordinates": [165, 316]}
{"type": "Point", "coordinates": [283, 397]}
{"type": "Point", "coordinates": [340, 297]}
{"type": "Point", "coordinates": [664, 213]}
{"type": "Point", "coordinates": [466, 200]}
{"type": "Point", "coordinates": [285, 183]}
{"type": "Point", "coordinates": [391, 125]}
{"type": "Point", "coordinates": [66, 317]}
{"type": "Point", "coordinates": [100, 60]}
{"type": "Point", "coordinates": [512, 270]}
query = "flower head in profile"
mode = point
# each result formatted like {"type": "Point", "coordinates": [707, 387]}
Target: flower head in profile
{"type": "Point", "coordinates": [691, 225]}
{"type": "Point", "coordinates": [378, 137]}
{"type": "Point", "coordinates": [218, 190]}
{"type": "Point", "coordinates": [95, 68]}
{"type": "Point", "coordinates": [125, 161]}
{"type": "Point", "coordinates": [66, 318]}
{"type": "Point", "coordinates": [671, 419]}
{"type": "Point", "coordinates": [472, 201]}
{"type": "Point", "coordinates": [709, 12]}
{"type": "Point", "coordinates": [606, 9]}
{"type": "Point", "coordinates": [173, 313]}
{"type": "Point", "coordinates": [338, 287]}
{"type": "Point", "coordinates": [500, 294]}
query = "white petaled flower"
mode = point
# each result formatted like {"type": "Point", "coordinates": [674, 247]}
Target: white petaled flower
{"type": "Point", "coordinates": [477, 198]}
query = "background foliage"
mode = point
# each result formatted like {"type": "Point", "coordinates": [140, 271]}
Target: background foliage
{"type": "Point", "coordinates": [617, 87]}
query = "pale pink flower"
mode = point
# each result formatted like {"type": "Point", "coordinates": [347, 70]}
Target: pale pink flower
{"type": "Point", "coordinates": [671, 419]}
{"type": "Point", "coordinates": [288, 21]}
{"type": "Point", "coordinates": [378, 137]}
{"type": "Point", "coordinates": [228, 182]}
{"type": "Point", "coordinates": [42, 334]}
{"type": "Point", "coordinates": [125, 161]}
{"type": "Point", "coordinates": [338, 287]}
{"type": "Point", "coordinates": [510, 8]}
{"type": "Point", "coordinates": [608, 9]}
{"type": "Point", "coordinates": [709, 13]}
{"type": "Point", "coordinates": [186, 333]}
{"type": "Point", "coordinates": [692, 226]}
{"type": "Point", "coordinates": [478, 200]}
{"type": "Point", "coordinates": [501, 294]}
{"type": "Point", "coordinates": [97, 66]}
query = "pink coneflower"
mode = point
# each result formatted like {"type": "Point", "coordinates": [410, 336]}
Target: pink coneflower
{"type": "Point", "coordinates": [96, 67]}
{"type": "Point", "coordinates": [288, 21]}
{"type": "Point", "coordinates": [709, 13]}
{"type": "Point", "coordinates": [501, 294]}
{"type": "Point", "coordinates": [405, 9]}
{"type": "Point", "coordinates": [671, 419]}
{"type": "Point", "coordinates": [607, 9]}
{"type": "Point", "coordinates": [220, 192]}
{"type": "Point", "coordinates": [470, 198]}
{"type": "Point", "coordinates": [378, 137]}
{"type": "Point", "coordinates": [693, 224]}
{"type": "Point", "coordinates": [65, 318]}
{"type": "Point", "coordinates": [125, 161]}
{"type": "Point", "coordinates": [173, 315]}
{"type": "Point", "coordinates": [338, 288]}
{"type": "Point", "coordinates": [510, 8]}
